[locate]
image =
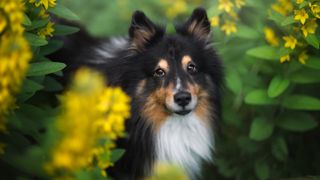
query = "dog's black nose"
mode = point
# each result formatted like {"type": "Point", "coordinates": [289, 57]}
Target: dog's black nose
{"type": "Point", "coordinates": [182, 98]}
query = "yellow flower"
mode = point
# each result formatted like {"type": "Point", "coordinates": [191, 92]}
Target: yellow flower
{"type": "Point", "coordinates": [283, 7]}
{"type": "Point", "coordinates": [309, 27]}
{"type": "Point", "coordinates": [299, 1]}
{"type": "Point", "coordinates": [3, 23]}
{"type": "Point", "coordinates": [315, 10]}
{"type": "Point", "coordinates": [43, 13]}
{"type": "Point", "coordinates": [233, 15]}
{"type": "Point", "coordinates": [15, 54]}
{"type": "Point", "coordinates": [229, 27]}
{"type": "Point", "coordinates": [239, 3]}
{"type": "Point", "coordinates": [225, 5]}
{"type": "Point", "coordinates": [175, 8]}
{"type": "Point", "coordinates": [290, 42]}
{"type": "Point", "coordinates": [301, 15]}
{"type": "Point", "coordinates": [303, 57]}
{"type": "Point", "coordinates": [271, 37]}
{"type": "Point", "coordinates": [168, 171]}
{"type": "Point", "coordinates": [46, 3]}
{"type": "Point", "coordinates": [46, 31]}
{"type": "Point", "coordinates": [214, 21]}
{"type": "Point", "coordinates": [89, 135]}
{"type": "Point", "coordinates": [285, 58]}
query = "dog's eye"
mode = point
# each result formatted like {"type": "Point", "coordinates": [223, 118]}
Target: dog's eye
{"type": "Point", "coordinates": [159, 73]}
{"type": "Point", "coordinates": [191, 68]}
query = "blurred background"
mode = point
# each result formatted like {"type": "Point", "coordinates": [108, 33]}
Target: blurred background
{"type": "Point", "coordinates": [271, 105]}
{"type": "Point", "coordinates": [271, 97]}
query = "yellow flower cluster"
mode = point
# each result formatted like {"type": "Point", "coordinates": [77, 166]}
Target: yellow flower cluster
{"type": "Point", "coordinates": [14, 54]}
{"type": "Point", "coordinates": [315, 9]}
{"type": "Point", "coordinates": [178, 7]}
{"type": "Point", "coordinates": [45, 3]}
{"type": "Point", "coordinates": [92, 117]}
{"type": "Point", "coordinates": [283, 7]}
{"type": "Point", "coordinates": [307, 19]}
{"type": "Point", "coordinates": [228, 9]}
{"type": "Point", "coordinates": [271, 37]}
{"type": "Point", "coordinates": [175, 8]}
{"type": "Point", "coordinates": [167, 171]}
{"type": "Point", "coordinates": [46, 31]}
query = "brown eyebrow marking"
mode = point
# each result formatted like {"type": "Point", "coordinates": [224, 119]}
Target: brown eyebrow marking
{"type": "Point", "coordinates": [163, 64]}
{"type": "Point", "coordinates": [185, 61]}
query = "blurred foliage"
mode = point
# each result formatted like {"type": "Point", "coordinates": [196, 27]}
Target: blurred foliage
{"type": "Point", "coordinates": [45, 134]}
{"type": "Point", "coordinates": [271, 101]}
{"type": "Point", "coordinates": [168, 171]}
{"type": "Point", "coordinates": [271, 97]}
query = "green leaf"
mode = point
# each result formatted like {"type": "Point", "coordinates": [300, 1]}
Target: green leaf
{"type": "Point", "coordinates": [276, 17]}
{"type": "Point", "coordinates": [43, 68]}
{"type": "Point", "coordinates": [22, 97]}
{"type": "Point", "coordinates": [62, 30]}
{"type": "Point", "coordinates": [261, 169]}
{"type": "Point", "coordinates": [247, 32]}
{"type": "Point", "coordinates": [52, 47]}
{"type": "Point", "coordinates": [63, 12]}
{"type": "Point", "coordinates": [247, 145]}
{"type": "Point", "coordinates": [116, 154]}
{"type": "Point", "coordinates": [299, 122]}
{"type": "Point", "coordinates": [303, 4]}
{"type": "Point", "coordinates": [26, 20]}
{"type": "Point", "coordinates": [277, 86]}
{"type": "Point", "coordinates": [29, 86]}
{"type": "Point", "coordinates": [52, 85]}
{"type": "Point", "coordinates": [313, 62]}
{"type": "Point", "coordinates": [233, 81]}
{"type": "Point", "coordinates": [38, 24]}
{"type": "Point", "coordinates": [261, 129]}
{"type": "Point", "coordinates": [305, 76]}
{"type": "Point", "coordinates": [279, 148]}
{"type": "Point", "coordinates": [35, 40]}
{"type": "Point", "coordinates": [267, 52]}
{"type": "Point", "coordinates": [259, 97]}
{"type": "Point", "coordinates": [301, 102]}
{"type": "Point", "coordinates": [312, 40]}
{"type": "Point", "coordinates": [30, 162]}
{"type": "Point", "coordinates": [287, 21]}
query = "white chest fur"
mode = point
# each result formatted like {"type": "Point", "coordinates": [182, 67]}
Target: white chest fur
{"type": "Point", "coordinates": [185, 141]}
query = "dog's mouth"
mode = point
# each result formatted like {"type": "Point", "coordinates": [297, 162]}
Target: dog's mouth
{"type": "Point", "coordinates": [181, 109]}
{"type": "Point", "coordinates": [183, 112]}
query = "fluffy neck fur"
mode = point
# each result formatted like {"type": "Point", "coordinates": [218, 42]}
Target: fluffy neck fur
{"type": "Point", "coordinates": [185, 141]}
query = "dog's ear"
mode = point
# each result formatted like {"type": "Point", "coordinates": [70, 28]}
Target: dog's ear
{"type": "Point", "coordinates": [143, 32]}
{"type": "Point", "coordinates": [197, 25]}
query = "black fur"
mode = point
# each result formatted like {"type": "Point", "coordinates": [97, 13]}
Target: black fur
{"type": "Point", "coordinates": [134, 63]}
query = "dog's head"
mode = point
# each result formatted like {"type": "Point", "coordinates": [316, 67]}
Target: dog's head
{"type": "Point", "coordinates": [178, 73]}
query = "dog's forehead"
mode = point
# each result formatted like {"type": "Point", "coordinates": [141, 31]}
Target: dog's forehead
{"type": "Point", "coordinates": [173, 49]}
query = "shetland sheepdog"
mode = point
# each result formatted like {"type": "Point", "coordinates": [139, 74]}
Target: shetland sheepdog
{"type": "Point", "coordinates": [174, 82]}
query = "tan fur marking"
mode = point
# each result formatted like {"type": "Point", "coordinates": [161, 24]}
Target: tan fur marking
{"type": "Point", "coordinates": [185, 61]}
{"type": "Point", "coordinates": [163, 64]}
{"type": "Point", "coordinates": [141, 37]}
{"type": "Point", "coordinates": [154, 109]}
{"type": "Point", "coordinates": [203, 109]}
{"type": "Point", "coordinates": [196, 29]}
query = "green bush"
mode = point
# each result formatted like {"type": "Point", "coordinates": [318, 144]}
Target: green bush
{"type": "Point", "coordinates": [271, 100]}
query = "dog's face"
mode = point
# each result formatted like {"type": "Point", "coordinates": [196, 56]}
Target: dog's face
{"type": "Point", "coordinates": [180, 72]}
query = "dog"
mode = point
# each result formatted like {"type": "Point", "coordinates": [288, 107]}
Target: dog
{"type": "Point", "coordinates": [174, 81]}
